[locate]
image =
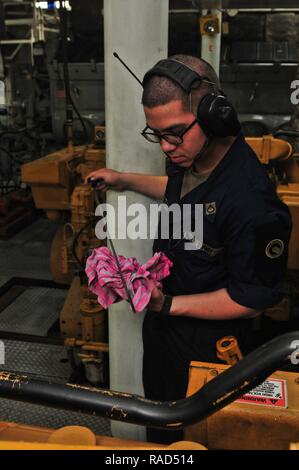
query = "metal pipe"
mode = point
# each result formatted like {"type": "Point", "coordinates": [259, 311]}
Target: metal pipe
{"type": "Point", "coordinates": [214, 395]}
{"type": "Point", "coordinates": [86, 345]}
{"type": "Point", "coordinates": [68, 99]}
{"type": "Point", "coordinates": [16, 41]}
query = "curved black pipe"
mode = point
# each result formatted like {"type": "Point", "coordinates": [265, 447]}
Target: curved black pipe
{"type": "Point", "coordinates": [225, 388]}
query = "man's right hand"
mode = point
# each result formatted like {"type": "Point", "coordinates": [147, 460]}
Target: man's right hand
{"type": "Point", "coordinates": [105, 179]}
{"type": "Point", "coordinates": [151, 186]}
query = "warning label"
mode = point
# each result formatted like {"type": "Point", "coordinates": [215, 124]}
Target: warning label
{"type": "Point", "coordinates": [272, 392]}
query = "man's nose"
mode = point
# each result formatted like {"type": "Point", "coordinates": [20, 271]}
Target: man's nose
{"type": "Point", "coordinates": [166, 146]}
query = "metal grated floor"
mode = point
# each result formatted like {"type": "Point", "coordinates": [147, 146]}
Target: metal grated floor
{"type": "Point", "coordinates": [36, 415]}
{"type": "Point", "coordinates": [44, 361]}
{"type": "Point", "coordinates": [34, 311]}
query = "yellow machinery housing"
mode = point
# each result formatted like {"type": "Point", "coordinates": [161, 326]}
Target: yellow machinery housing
{"type": "Point", "coordinates": [242, 426]}
{"type": "Point", "coordinates": [22, 437]}
{"type": "Point", "coordinates": [57, 186]}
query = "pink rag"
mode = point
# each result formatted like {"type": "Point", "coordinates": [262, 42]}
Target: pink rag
{"type": "Point", "coordinates": [104, 279]}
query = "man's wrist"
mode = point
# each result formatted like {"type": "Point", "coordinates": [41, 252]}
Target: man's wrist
{"type": "Point", "coordinates": [166, 306]}
{"type": "Point", "coordinates": [126, 181]}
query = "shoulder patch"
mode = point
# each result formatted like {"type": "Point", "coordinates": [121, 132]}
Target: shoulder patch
{"type": "Point", "coordinates": [275, 248]}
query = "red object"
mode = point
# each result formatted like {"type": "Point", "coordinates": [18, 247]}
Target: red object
{"type": "Point", "coordinates": [60, 94]}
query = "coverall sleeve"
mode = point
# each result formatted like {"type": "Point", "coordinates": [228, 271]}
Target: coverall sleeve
{"type": "Point", "coordinates": [256, 252]}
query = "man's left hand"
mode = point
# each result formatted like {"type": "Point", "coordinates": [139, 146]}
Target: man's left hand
{"type": "Point", "coordinates": [157, 300]}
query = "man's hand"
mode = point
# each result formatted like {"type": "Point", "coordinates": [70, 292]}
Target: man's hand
{"type": "Point", "coordinates": [107, 179]}
{"type": "Point", "coordinates": [151, 186]}
{"type": "Point", "coordinates": [157, 299]}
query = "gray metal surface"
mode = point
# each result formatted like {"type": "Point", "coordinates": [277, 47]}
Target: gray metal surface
{"type": "Point", "coordinates": [36, 415]}
{"type": "Point", "coordinates": [47, 362]}
{"type": "Point", "coordinates": [27, 253]}
{"type": "Point", "coordinates": [34, 311]}
{"type": "Point", "coordinates": [251, 87]}
{"type": "Point", "coordinates": [87, 92]}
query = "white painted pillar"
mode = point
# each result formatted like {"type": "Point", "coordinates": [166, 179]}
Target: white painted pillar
{"type": "Point", "coordinates": [138, 31]}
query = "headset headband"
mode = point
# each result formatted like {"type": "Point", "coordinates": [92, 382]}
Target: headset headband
{"type": "Point", "coordinates": [215, 114]}
{"type": "Point", "coordinates": [180, 73]}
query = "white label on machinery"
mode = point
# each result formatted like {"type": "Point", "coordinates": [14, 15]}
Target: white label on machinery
{"type": "Point", "coordinates": [272, 392]}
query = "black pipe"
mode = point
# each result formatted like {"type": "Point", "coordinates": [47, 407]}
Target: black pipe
{"type": "Point", "coordinates": [69, 102]}
{"type": "Point", "coordinates": [219, 392]}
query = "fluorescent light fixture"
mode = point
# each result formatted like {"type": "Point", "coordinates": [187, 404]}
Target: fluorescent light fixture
{"type": "Point", "coordinates": [53, 5]}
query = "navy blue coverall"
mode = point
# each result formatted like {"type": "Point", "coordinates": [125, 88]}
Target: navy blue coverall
{"type": "Point", "coordinates": [246, 231]}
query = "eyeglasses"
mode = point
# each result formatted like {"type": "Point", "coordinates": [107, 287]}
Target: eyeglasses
{"type": "Point", "coordinates": [174, 139]}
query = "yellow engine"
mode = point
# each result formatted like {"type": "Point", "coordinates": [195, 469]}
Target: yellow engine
{"type": "Point", "coordinates": [57, 186]}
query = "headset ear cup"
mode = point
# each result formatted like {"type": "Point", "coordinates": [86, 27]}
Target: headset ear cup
{"type": "Point", "coordinates": [217, 116]}
{"type": "Point", "coordinates": [203, 114]}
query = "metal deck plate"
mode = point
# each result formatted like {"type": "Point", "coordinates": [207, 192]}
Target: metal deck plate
{"type": "Point", "coordinates": [36, 415]}
{"type": "Point", "coordinates": [47, 362]}
{"type": "Point", "coordinates": [34, 311]}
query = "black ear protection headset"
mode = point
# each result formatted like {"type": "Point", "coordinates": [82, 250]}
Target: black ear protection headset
{"type": "Point", "coordinates": [215, 114]}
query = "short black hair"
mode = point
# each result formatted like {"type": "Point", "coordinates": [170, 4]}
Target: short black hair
{"type": "Point", "coordinates": [159, 90]}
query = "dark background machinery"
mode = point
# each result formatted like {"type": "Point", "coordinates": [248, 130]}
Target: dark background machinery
{"type": "Point", "coordinates": [258, 62]}
{"type": "Point", "coordinates": [52, 136]}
